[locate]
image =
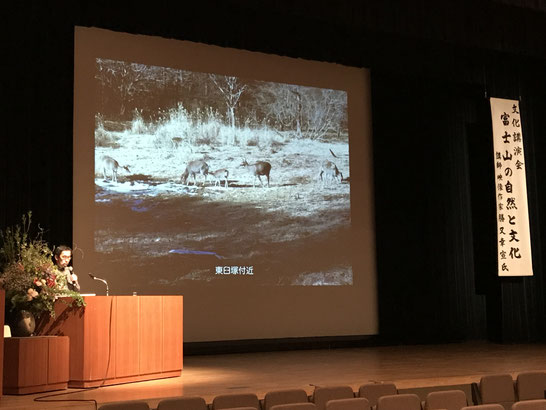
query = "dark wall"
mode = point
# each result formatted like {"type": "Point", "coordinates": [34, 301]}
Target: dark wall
{"type": "Point", "coordinates": [432, 67]}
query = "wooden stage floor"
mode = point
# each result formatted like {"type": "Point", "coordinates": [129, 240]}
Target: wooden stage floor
{"type": "Point", "coordinates": [408, 367]}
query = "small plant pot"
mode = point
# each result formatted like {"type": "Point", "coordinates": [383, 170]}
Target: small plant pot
{"type": "Point", "coordinates": [23, 324]}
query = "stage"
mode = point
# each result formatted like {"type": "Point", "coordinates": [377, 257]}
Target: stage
{"type": "Point", "coordinates": [409, 367]}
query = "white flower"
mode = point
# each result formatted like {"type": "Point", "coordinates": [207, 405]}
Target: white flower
{"type": "Point", "coordinates": [31, 293]}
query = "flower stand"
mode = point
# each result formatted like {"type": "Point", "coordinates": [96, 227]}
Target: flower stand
{"type": "Point", "coordinates": [35, 364]}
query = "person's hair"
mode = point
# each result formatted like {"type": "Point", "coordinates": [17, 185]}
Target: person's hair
{"type": "Point", "coordinates": [59, 249]}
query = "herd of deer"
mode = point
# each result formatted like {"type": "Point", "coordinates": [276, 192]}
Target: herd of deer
{"type": "Point", "coordinates": [328, 171]}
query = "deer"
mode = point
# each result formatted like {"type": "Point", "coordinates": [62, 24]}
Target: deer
{"type": "Point", "coordinates": [110, 167]}
{"type": "Point", "coordinates": [219, 175]}
{"type": "Point", "coordinates": [329, 171]}
{"type": "Point", "coordinates": [176, 141]}
{"type": "Point", "coordinates": [192, 169]}
{"type": "Point", "coordinates": [258, 169]}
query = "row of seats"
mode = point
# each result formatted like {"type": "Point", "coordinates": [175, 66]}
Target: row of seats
{"type": "Point", "coordinates": [494, 392]}
{"type": "Point", "coordinates": [502, 389]}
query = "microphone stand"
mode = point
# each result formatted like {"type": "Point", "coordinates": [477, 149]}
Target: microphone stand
{"type": "Point", "coordinates": [100, 280]}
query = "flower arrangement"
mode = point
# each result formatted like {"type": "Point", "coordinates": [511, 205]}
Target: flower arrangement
{"type": "Point", "coordinates": [28, 274]}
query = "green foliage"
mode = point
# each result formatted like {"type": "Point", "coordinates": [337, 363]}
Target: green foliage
{"type": "Point", "coordinates": [27, 272]}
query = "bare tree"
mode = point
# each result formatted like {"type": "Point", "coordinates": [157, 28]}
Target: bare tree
{"type": "Point", "coordinates": [126, 79]}
{"type": "Point", "coordinates": [133, 85]}
{"type": "Point", "coordinates": [324, 111]}
{"type": "Point", "coordinates": [231, 90]}
{"type": "Point", "coordinates": [280, 104]}
{"type": "Point", "coordinates": [307, 111]}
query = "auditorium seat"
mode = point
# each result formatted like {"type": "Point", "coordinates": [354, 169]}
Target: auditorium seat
{"type": "Point", "coordinates": [530, 405]}
{"type": "Point", "coordinates": [373, 391]}
{"type": "Point", "coordinates": [497, 388]}
{"type": "Point", "coordinates": [183, 403]}
{"type": "Point", "coordinates": [356, 403]}
{"type": "Point", "coordinates": [288, 396]}
{"type": "Point", "coordinates": [446, 399]}
{"type": "Point", "coordinates": [126, 405]}
{"type": "Point", "coordinates": [531, 385]}
{"type": "Point", "coordinates": [408, 401]}
{"type": "Point", "coordinates": [484, 407]}
{"type": "Point", "coordinates": [243, 408]}
{"type": "Point", "coordinates": [294, 406]}
{"type": "Point", "coordinates": [235, 400]}
{"type": "Point", "coordinates": [321, 395]}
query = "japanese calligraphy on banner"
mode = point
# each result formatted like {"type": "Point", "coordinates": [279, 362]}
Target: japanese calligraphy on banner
{"type": "Point", "coordinates": [513, 238]}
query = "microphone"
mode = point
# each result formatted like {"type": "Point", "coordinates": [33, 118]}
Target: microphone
{"type": "Point", "coordinates": [100, 280]}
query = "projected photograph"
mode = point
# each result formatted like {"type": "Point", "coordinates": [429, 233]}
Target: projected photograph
{"type": "Point", "coordinates": [202, 177]}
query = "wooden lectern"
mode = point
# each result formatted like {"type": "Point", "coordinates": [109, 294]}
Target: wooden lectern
{"type": "Point", "coordinates": [120, 339]}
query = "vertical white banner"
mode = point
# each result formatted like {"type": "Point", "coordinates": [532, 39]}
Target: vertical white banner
{"type": "Point", "coordinates": [513, 237]}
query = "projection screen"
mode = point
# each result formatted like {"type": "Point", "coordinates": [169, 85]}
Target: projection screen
{"type": "Point", "coordinates": [240, 180]}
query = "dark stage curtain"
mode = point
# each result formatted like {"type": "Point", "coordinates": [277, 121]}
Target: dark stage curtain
{"type": "Point", "coordinates": [435, 198]}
